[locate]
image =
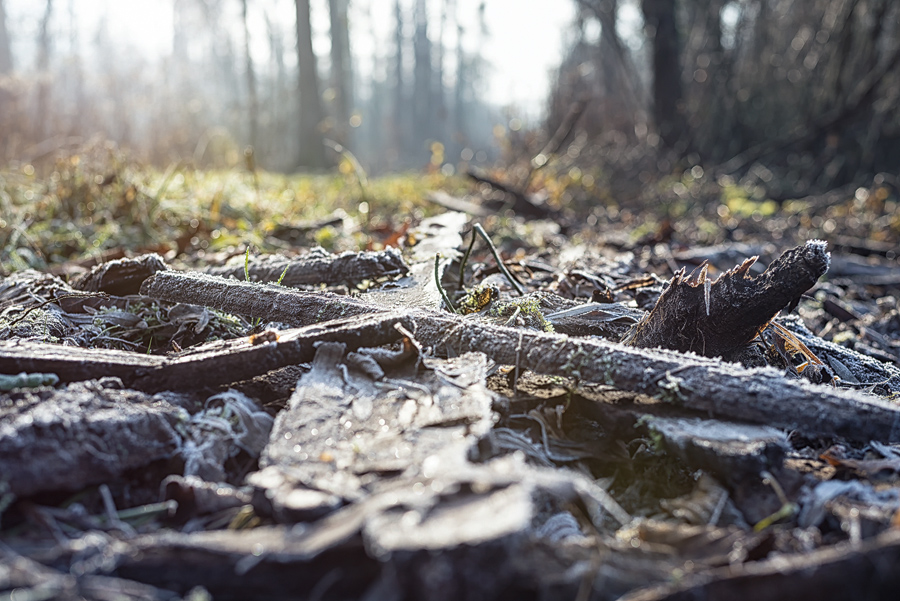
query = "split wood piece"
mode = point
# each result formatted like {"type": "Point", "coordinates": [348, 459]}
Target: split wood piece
{"type": "Point", "coordinates": [475, 524]}
{"type": "Point", "coordinates": [844, 571]}
{"type": "Point", "coordinates": [56, 440]}
{"type": "Point", "coordinates": [209, 365]}
{"type": "Point", "coordinates": [316, 267]}
{"type": "Point", "coordinates": [364, 414]}
{"type": "Point", "coordinates": [715, 318]}
{"type": "Point", "coordinates": [120, 277]}
{"type": "Point", "coordinates": [736, 454]}
{"type": "Point", "coordinates": [723, 390]}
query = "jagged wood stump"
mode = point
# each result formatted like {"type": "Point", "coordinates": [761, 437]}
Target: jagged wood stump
{"type": "Point", "coordinates": [716, 317]}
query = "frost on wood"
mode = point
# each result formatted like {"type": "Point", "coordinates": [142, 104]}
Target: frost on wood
{"type": "Point", "coordinates": [715, 317]}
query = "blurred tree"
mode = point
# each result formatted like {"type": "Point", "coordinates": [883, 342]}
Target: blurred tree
{"type": "Point", "coordinates": [793, 96]}
{"type": "Point", "coordinates": [668, 107]}
{"type": "Point", "coordinates": [252, 99]}
{"type": "Point", "coordinates": [422, 77]}
{"type": "Point", "coordinates": [399, 114]}
{"type": "Point", "coordinates": [43, 68]}
{"type": "Point", "coordinates": [311, 153]}
{"type": "Point", "coordinates": [439, 106]}
{"type": "Point", "coordinates": [341, 69]}
{"type": "Point", "coordinates": [6, 63]}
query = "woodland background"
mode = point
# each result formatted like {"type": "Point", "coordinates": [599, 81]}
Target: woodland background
{"type": "Point", "coordinates": [793, 96]}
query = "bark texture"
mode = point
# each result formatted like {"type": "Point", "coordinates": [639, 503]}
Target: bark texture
{"type": "Point", "coordinates": [715, 317]}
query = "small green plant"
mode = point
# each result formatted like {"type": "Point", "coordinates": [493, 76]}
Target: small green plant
{"type": "Point", "coordinates": [524, 311]}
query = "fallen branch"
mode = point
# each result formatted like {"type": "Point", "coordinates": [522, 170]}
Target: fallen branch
{"type": "Point", "coordinates": [204, 366]}
{"type": "Point", "coordinates": [710, 386]}
{"type": "Point", "coordinates": [318, 266]}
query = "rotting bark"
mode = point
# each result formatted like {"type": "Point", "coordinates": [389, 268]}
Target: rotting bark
{"type": "Point", "coordinates": [721, 389]}
{"type": "Point", "coordinates": [474, 524]}
{"type": "Point", "coordinates": [317, 266]}
{"type": "Point", "coordinates": [120, 277]}
{"type": "Point", "coordinates": [866, 570]}
{"type": "Point", "coordinates": [54, 440]}
{"type": "Point", "coordinates": [349, 419]}
{"type": "Point", "coordinates": [714, 318]}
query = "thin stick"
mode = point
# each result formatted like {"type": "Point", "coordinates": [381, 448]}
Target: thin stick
{"type": "Point", "coordinates": [509, 276]}
{"type": "Point", "coordinates": [465, 260]}
{"type": "Point", "coordinates": [437, 281]}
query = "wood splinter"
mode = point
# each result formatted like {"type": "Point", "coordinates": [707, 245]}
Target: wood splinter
{"type": "Point", "coordinates": [716, 317]}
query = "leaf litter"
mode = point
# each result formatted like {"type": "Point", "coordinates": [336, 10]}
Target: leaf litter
{"type": "Point", "coordinates": [539, 444]}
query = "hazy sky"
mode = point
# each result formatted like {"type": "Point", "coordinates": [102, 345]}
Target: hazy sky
{"type": "Point", "coordinates": [524, 41]}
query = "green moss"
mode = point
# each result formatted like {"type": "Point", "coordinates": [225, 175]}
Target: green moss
{"type": "Point", "coordinates": [669, 389]}
{"type": "Point", "coordinates": [524, 311]}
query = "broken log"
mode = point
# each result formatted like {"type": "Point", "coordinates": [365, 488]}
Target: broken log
{"type": "Point", "coordinates": [120, 277]}
{"type": "Point", "coordinates": [86, 434]}
{"type": "Point", "coordinates": [721, 389]}
{"type": "Point", "coordinates": [267, 301]}
{"type": "Point", "coordinates": [315, 267]}
{"type": "Point", "coordinates": [716, 317]}
{"type": "Point", "coordinates": [208, 365]}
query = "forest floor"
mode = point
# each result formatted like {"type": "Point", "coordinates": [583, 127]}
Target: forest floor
{"type": "Point", "coordinates": [246, 384]}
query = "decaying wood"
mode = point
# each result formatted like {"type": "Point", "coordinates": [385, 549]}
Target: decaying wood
{"type": "Point", "coordinates": [521, 204]}
{"type": "Point", "coordinates": [461, 521]}
{"type": "Point", "coordinates": [120, 277]}
{"type": "Point", "coordinates": [317, 266]}
{"type": "Point", "coordinates": [715, 317]}
{"type": "Point", "coordinates": [220, 362]}
{"type": "Point", "coordinates": [350, 418]}
{"type": "Point", "coordinates": [724, 390]}
{"type": "Point", "coordinates": [866, 570]}
{"type": "Point", "coordinates": [56, 440]}
{"type": "Point", "coordinates": [94, 432]}
{"type": "Point", "coordinates": [73, 364]}
{"type": "Point", "coordinates": [720, 389]}
{"type": "Point", "coordinates": [267, 301]}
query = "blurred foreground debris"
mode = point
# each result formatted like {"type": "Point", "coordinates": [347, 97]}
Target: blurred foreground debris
{"type": "Point", "coordinates": [332, 446]}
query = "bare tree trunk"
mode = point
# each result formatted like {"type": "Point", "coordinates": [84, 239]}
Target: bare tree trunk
{"type": "Point", "coordinates": [422, 76]}
{"type": "Point", "coordinates": [312, 150]}
{"type": "Point", "coordinates": [6, 64]}
{"type": "Point", "coordinates": [399, 113]}
{"type": "Point", "coordinates": [341, 71]}
{"type": "Point", "coordinates": [252, 101]}
{"type": "Point", "coordinates": [279, 145]}
{"type": "Point", "coordinates": [43, 67]}
{"type": "Point", "coordinates": [668, 111]}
